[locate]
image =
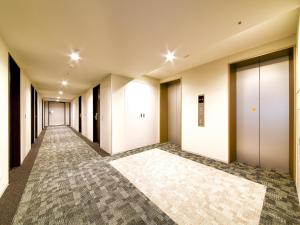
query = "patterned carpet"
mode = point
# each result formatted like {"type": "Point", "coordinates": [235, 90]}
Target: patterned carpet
{"type": "Point", "coordinates": [71, 184]}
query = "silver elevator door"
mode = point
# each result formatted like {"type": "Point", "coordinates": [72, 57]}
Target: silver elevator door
{"type": "Point", "coordinates": [248, 114]}
{"type": "Point", "coordinates": [174, 113]}
{"type": "Point", "coordinates": [274, 114]}
{"type": "Point", "coordinates": [263, 114]}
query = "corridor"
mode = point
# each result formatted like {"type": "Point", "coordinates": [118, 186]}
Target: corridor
{"type": "Point", "coordinates": [150, 112]}
{"type": "Point", "coordinates": [70, 183]}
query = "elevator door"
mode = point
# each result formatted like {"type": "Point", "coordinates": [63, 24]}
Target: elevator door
{"type": "Point", "coordinates": [274, 114]}
{"type": "Point", "coordinates": [263, 114]}
{"type": "Point", "coordinates": [248, 114]}
{"type": "Point", "coordinates": [174, 113]}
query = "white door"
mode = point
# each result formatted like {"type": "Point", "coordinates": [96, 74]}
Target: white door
{"type": "Point", "coordinates": [274, 114]}
{"type": "Point", "coordinates": [133, 115]}
{"type": "Point", "coordinates": [56, 113]}
{"type": "Point", "coordinates": [149, 114]}
{"type": "Point", "coordinates": [140, 109]}
{"type": "Point", "coordinates": [247, 103]}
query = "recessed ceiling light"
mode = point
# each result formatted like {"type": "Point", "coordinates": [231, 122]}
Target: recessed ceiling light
{"type": "Point", "coordinates": [58, 97]}
{"type": "Point", "coordinates": [64, 82]}
{"type": "Point", "coordinates": [60, 92]}
{"type": "Point", "coordinates": [170, 56]}
{"type": "Point", "coordinates": [57, 100]}
{"type": "Point", "coordinates": [74, 56]}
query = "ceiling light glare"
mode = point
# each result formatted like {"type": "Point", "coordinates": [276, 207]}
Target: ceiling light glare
{"type": "Point", "coordinates": [58, 97]}
{"type": "Point", "coordinates": [170, 56]}
{"type": "Point", "coordinates": [60, 92]}
{"type": "Point", "coordinates": [57, 100]}
{"type": "Point", "coordinates": [64, 82]}
{"type": "Point", "coordinates": [74, 56]}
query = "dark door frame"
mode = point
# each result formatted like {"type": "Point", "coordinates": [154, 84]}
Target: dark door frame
{"type": "Point", "coordinates": [43, 114]}
{"type": "Point", "coordinates": [14, 114]}
{"type": "Point", "coordinates": [96, 114]}
{"type": "Point", "coordinates": [79, 114]}
{"type": "Point", "coordinates": [32, 114]}
{"type": "Point", "coordinates": [35, 114]}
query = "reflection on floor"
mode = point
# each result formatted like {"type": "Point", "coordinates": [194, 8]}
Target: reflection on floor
{"type": "Point", "coordinates": [190, 192]}
{"type": "Point", "coordinates": [71, 184]}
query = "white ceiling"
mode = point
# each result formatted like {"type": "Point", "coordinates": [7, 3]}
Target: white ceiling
{"type": "Point", "coordinates": [130, 37]}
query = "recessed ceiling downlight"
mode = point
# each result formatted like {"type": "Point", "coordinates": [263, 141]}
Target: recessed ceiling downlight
{"type": "Point", "coordinates": [64, 82]}
{"type": "Point", "coordinates": [170, 56]}
{"type": "Point", "coordinates": [60, 92]}
{"type": "Point", "coordinates": [75, 56]}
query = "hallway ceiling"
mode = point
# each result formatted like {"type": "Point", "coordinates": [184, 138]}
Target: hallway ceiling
{"type": "Point", "coordinates": [130, 37]}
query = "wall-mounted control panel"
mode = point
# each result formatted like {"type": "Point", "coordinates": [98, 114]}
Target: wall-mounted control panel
{"type": "Point", "coordinates": [201, 101]}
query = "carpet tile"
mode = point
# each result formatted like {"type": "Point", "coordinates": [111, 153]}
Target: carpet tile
{"type": "Point", "coordinates": [70, 183]}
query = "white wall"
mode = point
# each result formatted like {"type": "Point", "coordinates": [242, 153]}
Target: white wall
{"type": "Point", "coordinates": [87, 114]}
{"type": "Point", "coordinates": [75, 114]}
{"type": "Point", "coordinates": [211, 80]}
{"type": "Point", "coordinates": [46, 113]}
{"type": "Point", "coordinates": [113, 135]}
{"type": "Point", "coordinates": [25, 116]}
{"type": "Point", "coordinates": [67, 113]}
{"type": "Point", "coordinates": [3, 117]}
{"type": "Point", "coordinates": [118, 113]}
{"type": "Point", "coordinates": [105, 115]}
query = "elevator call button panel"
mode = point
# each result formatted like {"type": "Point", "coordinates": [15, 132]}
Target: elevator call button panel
{"type": "Point", "coordinates": [201, 102]}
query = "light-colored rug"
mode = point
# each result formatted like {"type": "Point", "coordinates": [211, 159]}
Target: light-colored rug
{"type": "Point", "coordinates": [190, 192]}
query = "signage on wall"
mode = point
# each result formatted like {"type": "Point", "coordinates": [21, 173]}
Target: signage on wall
{"type": "Point", "coordinates": [201, 102]}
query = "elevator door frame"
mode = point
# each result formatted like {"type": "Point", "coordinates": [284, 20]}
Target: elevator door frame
{"type": "Point", "coordinates": [232, 156]}
{"type": "Point", "coordinates": [164, 137]}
